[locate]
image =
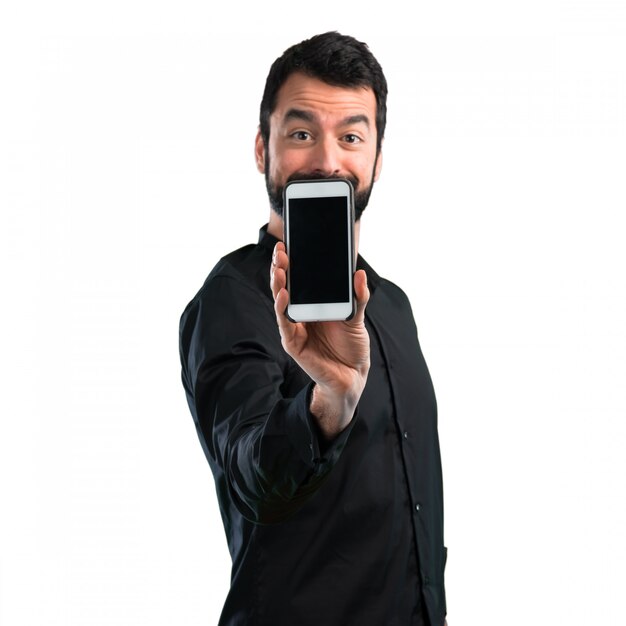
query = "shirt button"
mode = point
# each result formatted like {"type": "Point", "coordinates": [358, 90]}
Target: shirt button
{"type": "Point", "coordinates": [406, 435]}
{"type": "Point", "coordinates": [417, 507]}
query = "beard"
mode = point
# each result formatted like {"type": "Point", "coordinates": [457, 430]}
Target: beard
{"type": "Point", "coordinates": [275, 192]}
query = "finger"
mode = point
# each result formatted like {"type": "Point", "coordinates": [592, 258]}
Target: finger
{"type": "Point", "coordinates": [279, 257]}
{"type": "Point", "coordinates": [278, 281]}
{"type": "Point", "coordinates": [362, 293]}
{"type": "Point", "coordinates": [286, 328]}
{"type": "Point", "coordinates": [280, 261]}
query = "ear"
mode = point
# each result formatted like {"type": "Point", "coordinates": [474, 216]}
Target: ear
{"type": "Point", "coordinates": [259, 152]}
{"type": "Point", "coordinates": [379, 164]}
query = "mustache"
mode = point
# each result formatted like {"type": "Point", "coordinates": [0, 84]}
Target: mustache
{"type": "Point", "coordinates": [319, 176]}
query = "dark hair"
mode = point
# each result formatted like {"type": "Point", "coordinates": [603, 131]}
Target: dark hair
{"type": "Point", "coordinates": [335, 59]}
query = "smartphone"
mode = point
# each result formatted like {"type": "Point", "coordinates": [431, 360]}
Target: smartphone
{"type": "Point", "coordinates": [319, 239]}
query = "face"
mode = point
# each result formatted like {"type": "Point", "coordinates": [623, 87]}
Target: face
{"type": "Point", "coordinates": [320, 131]}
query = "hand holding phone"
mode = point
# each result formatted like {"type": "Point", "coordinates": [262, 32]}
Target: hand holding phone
{"type": "Point", "coordinates": [335, 354]}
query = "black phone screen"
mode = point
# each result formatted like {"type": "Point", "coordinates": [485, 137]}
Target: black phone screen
{"type": "Point", "coordinates": [319, 250]}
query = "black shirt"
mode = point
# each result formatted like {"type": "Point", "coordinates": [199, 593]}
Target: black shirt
{"type": "Point", "coordinates": [326, 535]}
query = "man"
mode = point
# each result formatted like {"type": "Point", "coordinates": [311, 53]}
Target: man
{"type": "Point", "coordinates": [322, 437]}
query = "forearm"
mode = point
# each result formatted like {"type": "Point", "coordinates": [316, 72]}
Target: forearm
{"type": "Point", "coordinates": [250, 404]}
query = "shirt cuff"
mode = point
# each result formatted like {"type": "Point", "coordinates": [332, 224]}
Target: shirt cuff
{"type": "Point", "coordinates": [305, 435]}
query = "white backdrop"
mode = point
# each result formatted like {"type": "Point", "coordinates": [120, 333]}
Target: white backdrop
{"type": "Point", "coordinates": [126, 147]}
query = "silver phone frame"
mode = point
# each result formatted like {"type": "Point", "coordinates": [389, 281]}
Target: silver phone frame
{"type": "Point", "coordinates": [321, 188]}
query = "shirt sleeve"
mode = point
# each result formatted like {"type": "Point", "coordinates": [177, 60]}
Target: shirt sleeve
{"type": "Point", "coordinates": [264, 444]}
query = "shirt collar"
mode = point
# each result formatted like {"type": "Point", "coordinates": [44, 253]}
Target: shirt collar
{"type": "Point", "coordinates": [266, 240]}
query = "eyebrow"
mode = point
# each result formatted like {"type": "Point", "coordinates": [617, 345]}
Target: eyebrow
{"type": "Point", "coordinates": [307, 116]}
{"type": "Point", "coordinates": [299, 114]}
{"type": "Point", "coordinates": [356, 119]}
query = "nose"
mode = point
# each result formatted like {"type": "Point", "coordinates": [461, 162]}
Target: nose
{"type": "Point", "coordinates": [325, 158]}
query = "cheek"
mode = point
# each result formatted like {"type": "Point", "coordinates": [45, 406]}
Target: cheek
{"type": "Point", "coordinates": [363, 166]}
{"type": "Point", "coordinates": [288, 162]}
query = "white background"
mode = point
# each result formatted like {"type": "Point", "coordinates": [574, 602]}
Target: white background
{"type": "Point", "coordinates": [126, 156]}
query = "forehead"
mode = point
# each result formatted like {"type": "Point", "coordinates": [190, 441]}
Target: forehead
{"type": "Point", "coordinates": [303, 92]}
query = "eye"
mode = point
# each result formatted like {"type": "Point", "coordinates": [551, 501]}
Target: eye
{"type": "Point", "coordinates": [301, 135]}
{"type": "Point", "coordinates": [351, 138]}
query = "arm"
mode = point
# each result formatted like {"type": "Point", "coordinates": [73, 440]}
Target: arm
{"type": "Point", "coordinates": [250, 403]}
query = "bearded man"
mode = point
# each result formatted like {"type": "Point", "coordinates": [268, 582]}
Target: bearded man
{"type": "Point", "coordinates": [322, 436]}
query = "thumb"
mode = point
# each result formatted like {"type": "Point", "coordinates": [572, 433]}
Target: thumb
{"type": "Point", "coordinates": [362, 293]}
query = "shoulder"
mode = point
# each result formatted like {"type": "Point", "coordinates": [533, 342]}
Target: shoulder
{"type": "Point", "coordinates": [384, 290]}
{"type": "Point", "coordinates": [393, 306]}
{"type": "Point", "coordinates": [234, 299]}
{"type": "Point", "coordinates": [393, 292]}
{"type": "Point", "coordinates": [242, 275]}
